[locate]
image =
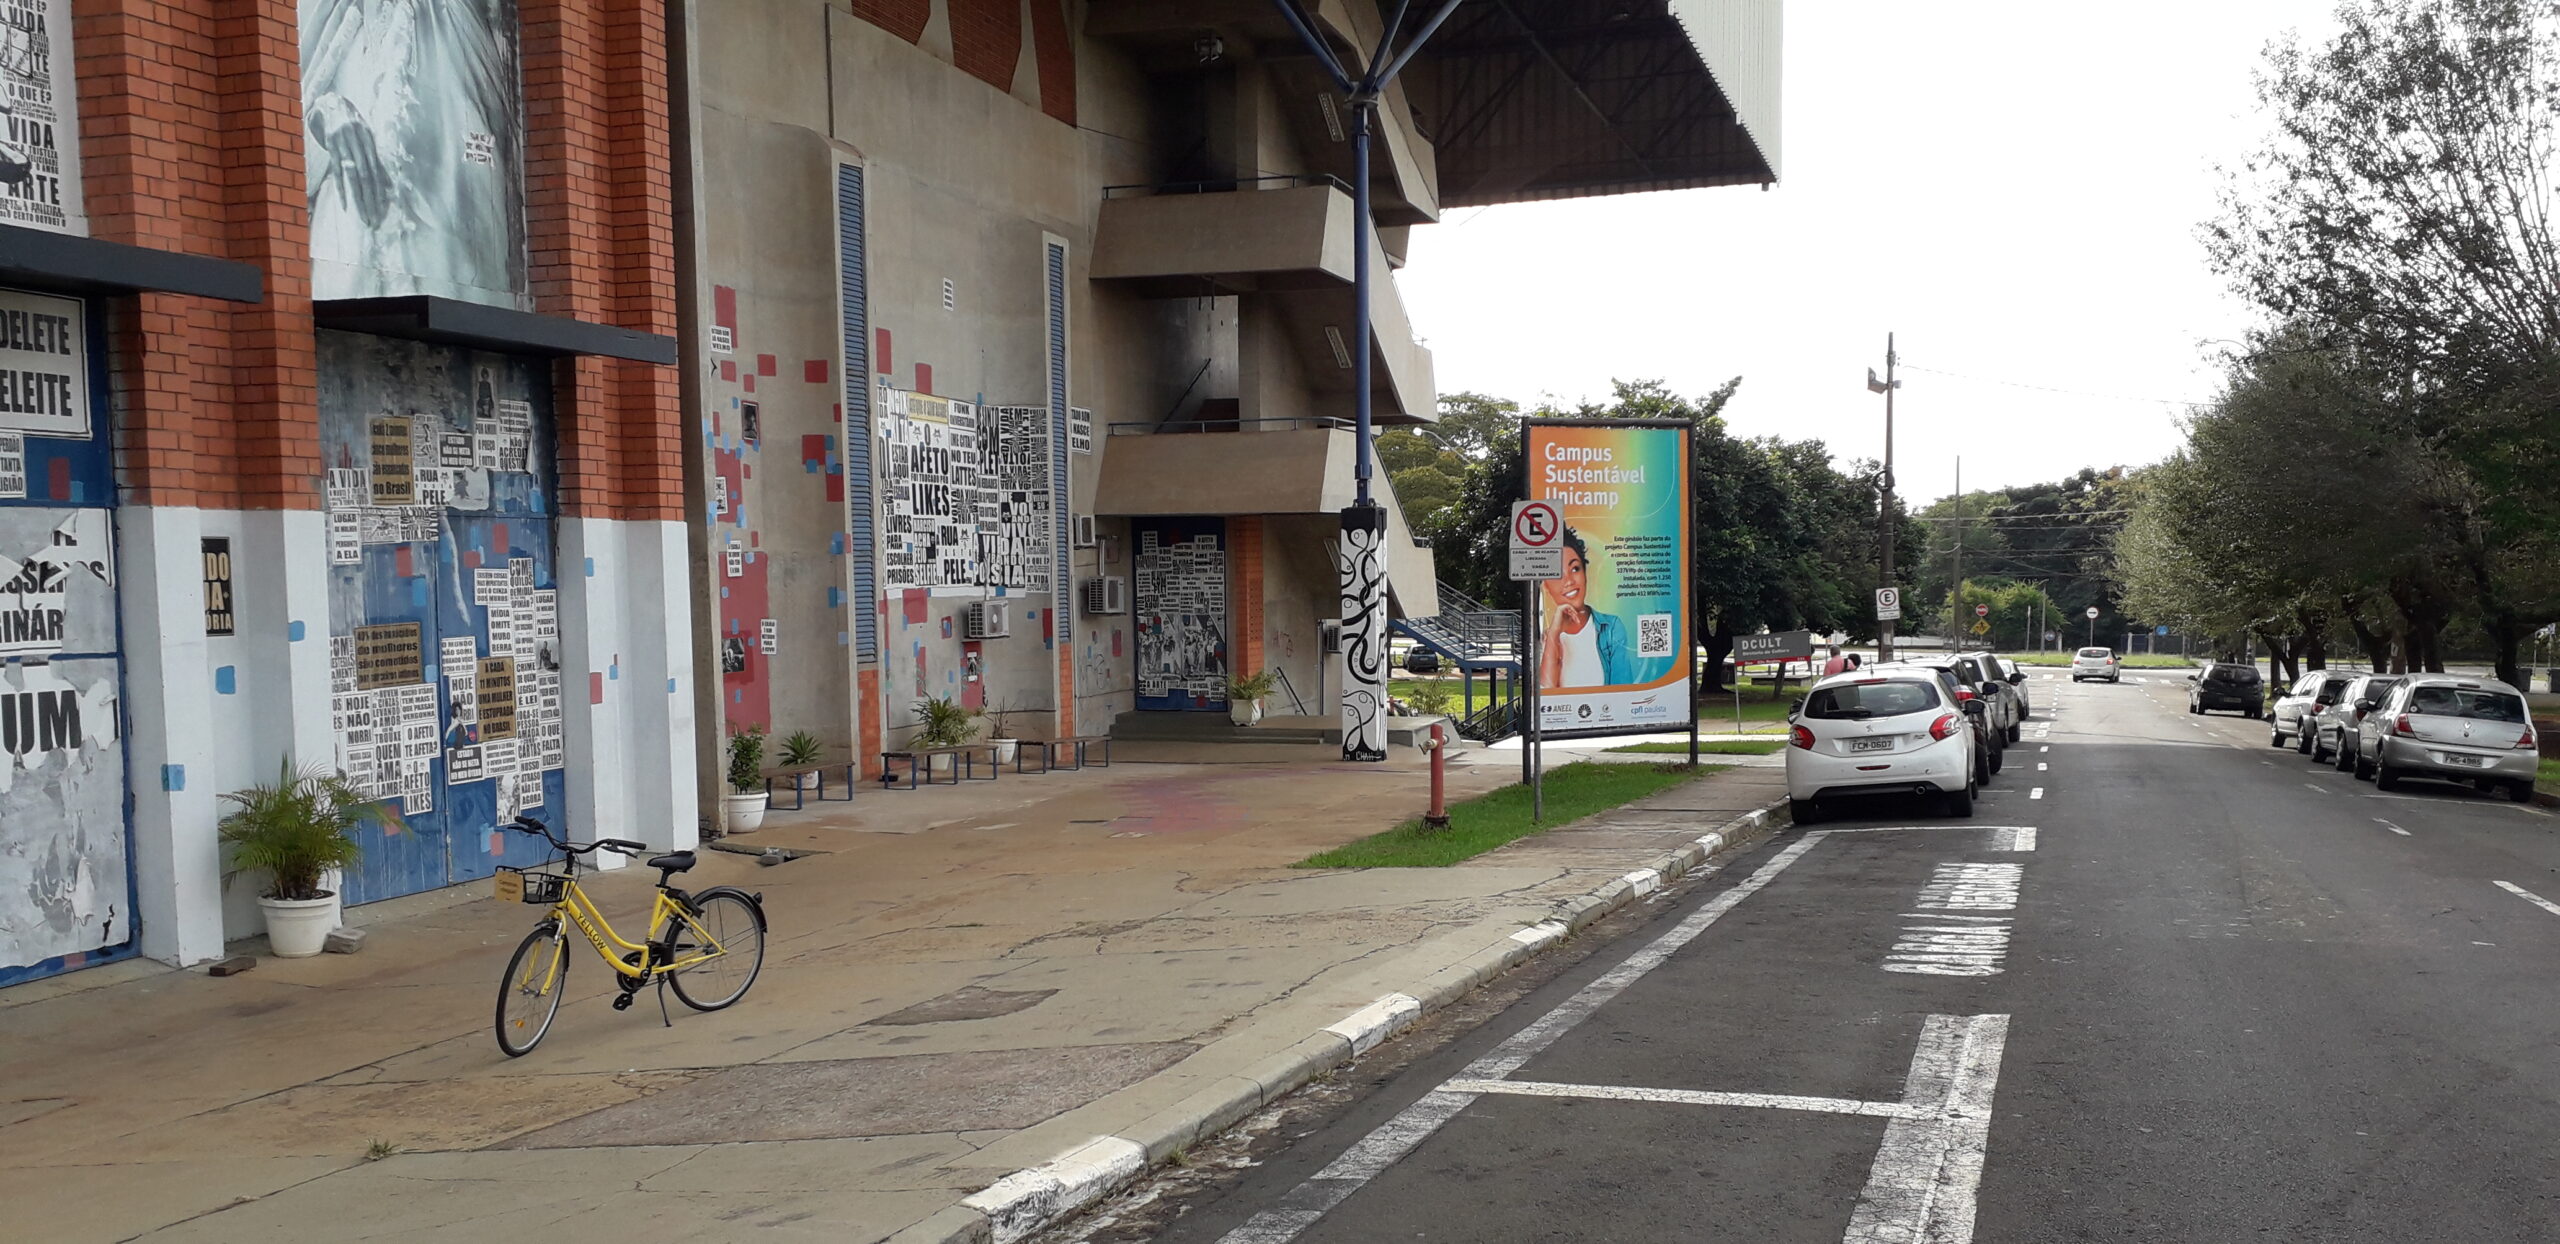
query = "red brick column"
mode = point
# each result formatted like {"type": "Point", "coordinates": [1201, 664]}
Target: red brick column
{"type": "Point", "coordinates": [1244, 595]}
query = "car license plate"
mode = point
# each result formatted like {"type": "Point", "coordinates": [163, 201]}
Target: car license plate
{"type": "Point", "coordinates": [1871, 745]}
{"type": "Point", "coordinates": [2467, 762]}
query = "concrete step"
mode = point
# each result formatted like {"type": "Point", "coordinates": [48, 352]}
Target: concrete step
{"type": "Point", "coordinates": [1216, 728]}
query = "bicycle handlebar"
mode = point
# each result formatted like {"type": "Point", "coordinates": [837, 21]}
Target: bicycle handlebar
{"type": "Point", "coordinates": [619, 846]}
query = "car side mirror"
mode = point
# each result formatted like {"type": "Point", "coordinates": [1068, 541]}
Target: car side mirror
{"type": "Point", "coordinates": [2367, 706]}
{"type": "Point", "coordinates": [1973, 708]}
{"type": "Point", "coordinates": [1795, 707]}
{"type": "Point", "coordinates": [2016, 677]}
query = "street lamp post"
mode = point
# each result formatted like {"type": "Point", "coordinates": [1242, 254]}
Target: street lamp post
{"type": "Point", "coordinates": [1364, 521]}
{"type": "Point", "coordinates": [1884, 502]}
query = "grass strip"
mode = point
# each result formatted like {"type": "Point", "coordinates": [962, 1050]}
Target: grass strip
{"type": "Point", "coordinates": [1717, 747]}
{"type": "Point", "coordinates": [1487, 821]}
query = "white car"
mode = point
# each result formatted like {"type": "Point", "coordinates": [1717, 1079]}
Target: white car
{"type": "Point", "coordinates": [2096, 663]}
{"type": "Point", "coordinates": [1884, 730]}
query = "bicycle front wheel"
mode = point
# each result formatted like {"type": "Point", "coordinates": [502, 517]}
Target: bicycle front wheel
{"type": "Point", "coordinates": [529, 996]}
{"type": "Point", "coordinates": [736, 925]}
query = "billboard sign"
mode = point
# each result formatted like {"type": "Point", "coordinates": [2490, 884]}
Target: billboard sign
{"type": "Point", "coordinates": [1615, 645]}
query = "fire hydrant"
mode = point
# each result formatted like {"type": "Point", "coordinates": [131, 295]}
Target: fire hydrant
{"type": "Point", "coordinates": [1438, 745]}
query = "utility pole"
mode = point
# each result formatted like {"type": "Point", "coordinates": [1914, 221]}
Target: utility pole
{"type": "Point", "coordinates": [1884, 503]}
{"type": "Point", "coordinates": [1955, 607]}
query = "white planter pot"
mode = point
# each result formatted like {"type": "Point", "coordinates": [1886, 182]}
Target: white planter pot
{"type": "Point", "coordinates": [1244, 712]}
{"type": "Point", "coordinates": [1006, 749]}
{"type": "Point", "coordinates": [745, 812]}
{"type": "Point", "coordinates": [806, 781]}
{"type": "Point", "coordinates": [943, 763]}
{"type": "Point", "coordinates": [297, 927]}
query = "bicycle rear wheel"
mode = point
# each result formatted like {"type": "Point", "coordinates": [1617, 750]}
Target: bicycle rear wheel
{"type": "Point", "coordinates": [529, 995]}
{"type": "Point", "coordinates": [737, 925]}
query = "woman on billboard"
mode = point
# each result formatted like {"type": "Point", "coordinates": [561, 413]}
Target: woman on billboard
{"type": "Point", "coordinates": [1582, 647]}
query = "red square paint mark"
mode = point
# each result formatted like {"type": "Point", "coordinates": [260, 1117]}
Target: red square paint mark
{"type": "Point", "coordinates": [57, 479]}
{"type": "Point", "coordinates": [814, 371]}
{"type": "Point", "coordinates": [498, 538]}
{"type": "Point", "coordinates": [835, 486]}
{"type": "Point", "coordinates": [747, 470]}
{"type": "Point", "coordinates": [729, 371]}
{"type": "Point", "coordinates": [748, 380]}
{"type": "Point", "coordinates": [595, 687]}
{"type": "Point", "coordinates": [1115, 643]}
{"type": "Point", "coordinates": [924, 377]}
{"type": "Point", "coordinates": [914, 600]}
{"type": "Point", "coordinates": [839, 412]}
{"type": "Point", "coordinates": [1048, 628]}
{"type": "Point", "coordinates": [767, 365]}
{"type": "Point", "coordinates": [813, 447]}
{"type": "Point", "coordinates": [471, 559]}
{"type": "Point", "coordinates": [724, 306]}
{"type": "Point", "coordinates": [755, 539]}
{"type": "Point", "coordinates": [497, 844]}
{"type": "Point", "coordinates": [880, 351]}
{"type": "Point", "coordinates": [403, 563]}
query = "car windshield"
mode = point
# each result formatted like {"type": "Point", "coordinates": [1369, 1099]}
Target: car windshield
{"type": "Point", "coordinates": [1860, 700]}
{"type": "Point", "coordinates": [2096, 652]}
{"type": "Point", "coordinates": [2231, 673]}
{"type": "Point", "coordinates": [2475, 703]}
{"type": "Point", "coordinates": [2333, 689]}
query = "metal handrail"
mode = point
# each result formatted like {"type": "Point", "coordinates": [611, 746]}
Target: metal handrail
{"type": "Point", "coordinates": [1173, 427]}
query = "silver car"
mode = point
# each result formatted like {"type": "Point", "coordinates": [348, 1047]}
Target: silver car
{"type": "Point", "coordinates": [1974, 678]}
{"type": "Point", "coordinates": [2334, 735]}
{"type": "Point", "coordinates": [2451, 729]}
{"type": "Point", "coordinates": [2297, 710]}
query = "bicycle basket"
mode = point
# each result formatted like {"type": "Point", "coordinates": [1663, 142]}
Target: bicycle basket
{"type": "Point", "coordinates": [538, 889]}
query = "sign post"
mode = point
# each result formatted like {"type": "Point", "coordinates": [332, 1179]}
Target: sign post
{"type": "Point", "coordinates": [2093, 626]}
{"type": "Point", "coordinates": [1537, 555]}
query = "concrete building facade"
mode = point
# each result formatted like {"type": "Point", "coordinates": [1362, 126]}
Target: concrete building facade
{"type": "Point", "coordinates": [1020, 329]}
{"type": "Point", "coordinates": [337, 430]}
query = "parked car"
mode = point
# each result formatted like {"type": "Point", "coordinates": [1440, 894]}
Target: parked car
{"type": "Point", "coordinates": [1885, 730]}
{"type": "Point", "coordinates": [1421, 660]}
{"type": "Point", "coordinates": [2451, 729]}
{"type": "Point", "coordinates": [1972, 672]}
{"type": "Point", "coordinates": [2096, 663]}
{"type": "Point", "coordinates": [2014, 678]}
{"type": "Point", "coordinates": [2227, 684]}
{"type": "Point", "coordinates": [2297, 710]}
{"type": "Point", "coordinates": [2337, 730]}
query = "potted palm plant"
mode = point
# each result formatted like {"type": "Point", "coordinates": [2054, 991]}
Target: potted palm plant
{"type": "Point", "coordinates": [296, 830]}
{"type": "Point", "coordinates": [744, 805]}
{"type": "Point", "coordinates": [1001, 736]}
{"type": "Point", "coordinates": [1244, 696]}
{"type": "Point", "coordinates": [946, 724]}
{"type": "Point", "coordinates": [799, 750]}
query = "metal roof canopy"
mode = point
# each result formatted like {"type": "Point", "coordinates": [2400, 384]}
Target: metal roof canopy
{"type": "Point", "coordinates": [1556, 99]}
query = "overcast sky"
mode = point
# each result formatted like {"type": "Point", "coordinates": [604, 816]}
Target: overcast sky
{"type": "Point", "coordinates": [2013, 189]}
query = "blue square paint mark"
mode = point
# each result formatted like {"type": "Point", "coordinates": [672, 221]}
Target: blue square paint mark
{"type": "Point", "coordinates": [591, 567]}
{"type": "Point", "coordinates": [724, 593]}
{"type": "Point", "coordinates": [79, 492]}
{"type": "Point", "coordinates": [671, 686]}
{"type": "Point", "coordinates": [843, 640]}
{"type": "Point", "coordinates": [293, 631]}
{"type": "Point", "coordinates": [835, 544]}
{"type": "Point", "coordinates": [173, 777]}
{"type": "Point", "coordinates": [809, 466]}
{"type": "Point", "coordinates": [226, 680]}
{"type": "Point", "coordinates": [733, 622]}
{"type": "Point", "coordinates": [733, 403]}
{"type": "Point", "coordinates": [433, 672]}
{"type": "Point", "coordinates": [835, 598]}
{"type": "Point", "coordinates": [738, 696]}
{"type": "Point", "coordinates": [613, 672]}
{"type": "Point", "coordinates": [418, 592]}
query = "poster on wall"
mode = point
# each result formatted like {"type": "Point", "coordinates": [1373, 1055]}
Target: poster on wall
{"type": "Point", "coordinates": [13, 466]}
{"type": "Point", "coordinates": [57, 582]}
{"type": "Point", "coordinates": [1614, 629]}
{"type": "Point", "coordinates": [40, 144]}
{"type": "Point", "coordinates": [413, 120]}
{"type": "Point", "coordinates": [62, 791]}
{"type": "Point", "coordinates": [44, 362]}
{"type": "Point", "coordinates": [967, 496]}
{"type": "Point", "coordinates": [1182, 620]}
{"type": "Point", "coordinates": [1017, 529]}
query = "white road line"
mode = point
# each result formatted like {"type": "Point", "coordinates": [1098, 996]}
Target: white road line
{"type": "Point", "coordinates": [1921, 1188]}
{"type": "Point", "coordinates": [2530, 897]}
{"type": "Point", "coordinates": [2318, 787]}
{"type": "Point", "coordinates": [2022, 838]}
{"type": "Point", "coordinates": [2042, 766]}
{"type": "Point", "coordinates": [2389, 826]}
{"type": "Point", "coordinates": [2042, 750]}
{"type": "Point", "coordinates": [1686, 1097]}
{"type": "Point", "coordinates": [2037, 793]}
{"type": "Point", "coordinates": [1414, 1124]}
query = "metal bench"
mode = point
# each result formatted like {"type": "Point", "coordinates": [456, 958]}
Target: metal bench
{"type": "Point", "coordinates": [1080, 747]}
{"type": "Point", "coordinates": [919, 760]}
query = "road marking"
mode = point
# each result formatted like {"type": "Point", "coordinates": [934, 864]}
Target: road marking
{"type": "Point", "coordinates": [2023, 838]}
{"type": "Point", "coordinates": [2042, 750]}
{"type": "Point", "coordinates": [2037, 793]}
{"type": "Point", "coordinates": [1923, 1183]}
{"type": "Point", "coordinates": [2530, 897]}
{"type": "Point", "coordinates": [2041, 766]}
{"type": "Point", "coordinates": [1398, 1136]}
{"type": "Point", "coordinates": [2389, 826]}
{"type": "Point", "coordinates": [1938, 949]}
{"type": "Point", "coordinates": [1686, 1097]}
{"type": "Point", "coordinates": [2318, 787]}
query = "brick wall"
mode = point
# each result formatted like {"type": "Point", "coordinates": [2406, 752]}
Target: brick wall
{"type": "Point", "coordinates": [192, 140]}
{"type": "Point", "coordinates": [1244, 596]}
{"type": "Point", "coordinates": [986, 41]}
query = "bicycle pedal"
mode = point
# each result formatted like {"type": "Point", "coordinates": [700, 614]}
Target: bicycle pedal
{"type": "Point", "coordinates": [622, 1002]}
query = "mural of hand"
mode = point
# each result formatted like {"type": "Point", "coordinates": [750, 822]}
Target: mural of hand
{"type": "Point", "coordinates": [354, 161]}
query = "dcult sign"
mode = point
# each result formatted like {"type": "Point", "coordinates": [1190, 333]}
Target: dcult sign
{"type": "Point", "coordinates": [1777, 646]}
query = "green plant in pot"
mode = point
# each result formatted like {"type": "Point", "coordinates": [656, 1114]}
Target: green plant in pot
{"type": "Point", "coordinates": [800, 750]}
{"type": "Point", "coordinates": [1000, 731]}
{"type": "Point", "coordinates": [945, 724]}
{"type": "Point", "coordinates": [744, 805]}
{"type": "Point", "coordinates": [1244, 696]}
{"type": "Point", "coordinates": [296, 831]}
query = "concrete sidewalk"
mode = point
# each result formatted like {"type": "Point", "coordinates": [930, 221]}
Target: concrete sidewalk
{"type": "Point", "coordinates": [961, 986]}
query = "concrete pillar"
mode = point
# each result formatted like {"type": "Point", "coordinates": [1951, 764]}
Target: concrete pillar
{"type": "Point", "coordinates": [177, 861]}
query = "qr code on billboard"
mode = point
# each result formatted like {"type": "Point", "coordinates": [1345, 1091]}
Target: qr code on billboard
{"type": "Point", "coordinates": [1653, 635]}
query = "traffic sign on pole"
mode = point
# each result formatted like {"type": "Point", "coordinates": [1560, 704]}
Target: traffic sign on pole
{"type": "Point", "coordinates": [1982, 611]}
{"type": "Point", "coordinates": [2093, 613]}
{"type": "Point", "coordinates": [1888, 604]}
{"type": "Point", "coordinates": [1537, 541]}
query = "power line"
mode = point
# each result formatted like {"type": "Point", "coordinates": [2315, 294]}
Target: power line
{"type": "Point", "coordinates": [2046, 388]}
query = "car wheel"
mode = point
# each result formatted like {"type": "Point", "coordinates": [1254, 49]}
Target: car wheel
{"type": "Point", "coordinates": [2364, 769]}
{"type": "Point", "coordinates": [2302, 742]}
{"type": "Point", "coordinates": [1960, 802]}
{"type": "Point", "coordinates": [2194, 709]}
{"type": "Point", "coordinates": [2520, 790]}
{"type": "Point", "coordinates": [2385, 777]}
{"type": "Point", "coordinates": [2256, 713]}
{"type": "Point", "coordinates": [2346, 759]}
{"type": "Point", "coordinates": [1981, 766]}
{"type": "Point", "coordinates": [1805, 811]}
{"type": "Point", "coordinates": [2319, 749]}
{"type": "Point", "coordinates": [2015, 733]}
{"type": "Point", "coordinates": [1999, 759]}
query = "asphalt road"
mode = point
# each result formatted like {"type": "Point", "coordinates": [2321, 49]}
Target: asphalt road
{"type": "Point", "coordinates": [2217, 993]}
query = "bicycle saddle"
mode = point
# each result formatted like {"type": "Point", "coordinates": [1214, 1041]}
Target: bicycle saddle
{"type": "Point", "coordinates": [672, 862]}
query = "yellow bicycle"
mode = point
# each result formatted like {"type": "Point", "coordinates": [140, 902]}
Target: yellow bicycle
{"type": "Point", "coordinates": [708, 947]}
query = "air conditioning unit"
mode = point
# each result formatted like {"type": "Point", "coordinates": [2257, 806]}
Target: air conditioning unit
{"type": "Point", "coordinates": [1084, 531]}
{"type": "Point", "coordinates": [988, 619]}
{"type": "Point", "coordinates": [1107, 594]}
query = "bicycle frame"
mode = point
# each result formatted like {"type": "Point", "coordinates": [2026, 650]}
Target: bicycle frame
{"type": "Point", "coordinates": [578, 909]}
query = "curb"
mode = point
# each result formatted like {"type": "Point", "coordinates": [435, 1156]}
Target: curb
{"type": "Point", "coordinates": [1034, 1198]}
